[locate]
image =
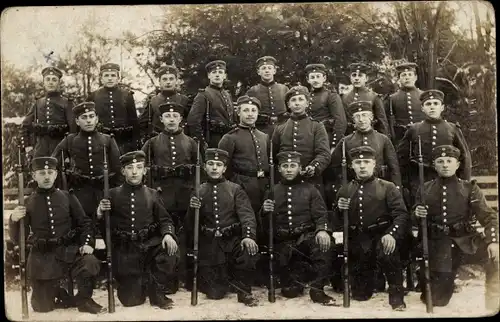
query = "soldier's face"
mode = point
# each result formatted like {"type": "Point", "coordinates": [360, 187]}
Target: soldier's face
{"type": "Point", "coordinates": [363, 120]}
{"type": "Point", "coordinates": [407, 78]}
{"type": "Point", "coordinates": [316, 80]}
{"type": "Point", "coordinates": [433, 108]}
{"type": "Point", "coordinates": [168, 82]}
{"type": "Point", "coordinates": [87, 121]}
{"type": "Point", "coordinates": [134, 172]}
{"type": "Point", "coordinates": [358, 79]}
{"type": "Point", "coordinates": [248, 114]}
{"type": "Point", "coordinates": [266, 72]}
{"type": "Point", "coordinates": [51, 83]}
{"type": "Point", "coordinates": [45, 178]}
{"type": "Point", "coordinates": [446, 166]}
{"type": "Point", "coordinates": [289, 170]}
{"type": "Point", "coordinates": [171, 120]}
{"type": "Point", "coordinates": [215, 168]}
{"type": "Point", "coordinates": [217, 77]}
{"type": "Point", "coordinates": [344, 88]}
{"type": "Point", "coordinates": [363, 167]}
{"type": "Point", "coordinates": [298, 104]}
{"type": "Point", "coordinates": [109, 79]}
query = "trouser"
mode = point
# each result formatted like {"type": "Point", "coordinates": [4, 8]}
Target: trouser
{"type": "Point", "coordinates": [180, 272]}
{"type": "Point", "coordinates": [85, 268]}
{"type": "Point", "coordinates": [89, 196]}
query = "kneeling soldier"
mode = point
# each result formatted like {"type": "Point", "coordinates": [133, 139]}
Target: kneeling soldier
{"type": "Point", "coordinates": [144, 241]}
{"type": "Point", "coordinates": [63, 239]}
{"type": "Point", "coordinates": [302, 231]}
{"type": "Point", "coordinates": [378, 222]}
{"type": "Point", "coordinates": [450, 204]}
{"type": "Point", "coordinates": [227, 233]}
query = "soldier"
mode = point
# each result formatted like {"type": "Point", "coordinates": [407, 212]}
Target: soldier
{"type": "Point", "coordinates": [433, 131]}
{"type": "Point", "coordinates": [302, 232]}
{"type": "Point", "coordinates": [151, 120]}
{"type": "Point", "coordinates": [301, 134]}
{"type": "Point", "coordinates": [172, 156]}
{"type": "Point", "coordinates": [404, 105]}
{"type": "Point", "coordinates": [212, 114]}
{"type": "Point", "coordinates": [361, 93]}
{"type": "Point", "coordinates": [85, 150]}
{"type": "Point", "coordinates": [227, 233]}
{"type": "Point", "coordinates": [115, 107]}
{"type": "Point", "coordinates": [143, 237]}
{"type": "Point", "coordinates": [50, 117]}
{"type": "Point", "coordinates": [62, 240]}
{"type": "Point", "coordinates": [325, 106]}
{"type": "Point", "coordinates": [450, 204]}
{"type": "Point", "coordinates": [271, 96]}
{"type": "Point", "coordinates": [378, 222]}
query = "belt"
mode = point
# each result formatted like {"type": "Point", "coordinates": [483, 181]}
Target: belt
{"type": "Point", "coordinates": [295, 232]}
{"type": "Point", "coordinates": [219, 127]}
{"type": "Point", "coordinates": [455, 230]}
{"type": "Point", "coordinates": [47, 244]}
{"type": "Point", "coordinates": [124, 237]}
{"type": "Point", "coordinates": [50, 130]}
{"type": "Point", "coordinates": [374, 227]}
{"type": "Point", "coordinates": [117, 130]}
{"type": "Point", "coordinates": [181, 171]}
{"type": "Point", "coordinates": [227, 231]}
{"type": "Point", "coordinates": [252, 173]}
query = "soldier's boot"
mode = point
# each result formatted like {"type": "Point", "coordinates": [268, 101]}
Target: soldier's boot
{"type": "Point", "coordinates": [172, 285]}
{"type": "Point", "coordinates": [396, 297]}
{"type": "Point", "coordinates": [247, 299]}
{"type": "Point", "coordinates": [292, 291]}
{"type": "Point", "coordinates": [84, 300]}
{"type": "Point", "coordinates": [64, 300]}
{"type": "Point", "coordinates": [159, 299]}
{"type": "Point", "coordinates": [319, 296]}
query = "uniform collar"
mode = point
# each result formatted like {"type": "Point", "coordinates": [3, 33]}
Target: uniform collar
{"type": "Point", "coordinates": [360, 89]}
{"type": "Point", "coordinates": [298, 179]}
{"type": "Point", "coordinates": [246, 127]}
{"type": "Point", "coordinates": [317, 90]}
{"type": "Point", "coordinates": [298, 117]}
{"type": "Point", "coordinates": [130, 187]}
{"type": "Point", "coordinates": [364, 181]}
{"type": "Point", "coordinates": [433, 121]}
{"type": "Point", "coordinates": [179, 131]}
{"type": "Point", "coordinates": [271, 83]}
{"type": "Point", "coordinates": [110, 89]}
{"type": "Point", "coordinates": [85, 133]}
{"type": "Point", "coordinates": [215, 87]}
{"type": "Point", "coordinates": [168, 93]}
{"type": "Point", "coordinates": [370, 131]}
{"type": "Point", "coordinates": [216, 181]}
{"type": "Point", "coordinates": [445, 181]}
{"type": "Point", "coordinates": [408, 89]}
{"type": "Point", "coordinates": [53, 94]}
{"type": "Point", "coordinates": [46, 191]}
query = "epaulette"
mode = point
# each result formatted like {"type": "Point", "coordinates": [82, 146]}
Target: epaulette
{"type": "Point", "coordinates": [201, 90]}
{"type": "Point", "coordinates": [71, 191]}
{"type": "Point", "coordinates": [233, 130]}
{"type": "Point", "coordinates": [458, 125]}
{"type": "Point", "coordinates": [159, 190]}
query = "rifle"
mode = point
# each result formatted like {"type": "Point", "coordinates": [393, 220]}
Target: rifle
{"type": "Point", "coordinates": [345, 272]}
{"type": "Point", "coordinates": [392, 122]}
{"type": "Point", "coordinates": [64, 182]}
{"type": "Point", "coordinates": [111, 296]}
{"type": "Point", "coordinates": [207, 122]}
{"type": "Point", "coordinates": [194, 290]}
{"type": "Point", "coordinates": [151, 128]}
{"type": "Point", "coordinates": [22, 237]}
{"type": "Point", "coordinates": [425, 240]}
{"type": "Point", "coordinates": [272, 293]}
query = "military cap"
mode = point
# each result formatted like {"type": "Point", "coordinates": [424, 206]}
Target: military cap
{"type": "Point", "coordinates": [216, 64]}
{"type": "Point", "coordinates": [217, 155]}
{"type": "Point", "coordinates": [169, 69]}
{"type": "Point", "coordinates": [431, 94]}
{"type": "Point", "coordinates": [362, 152]}
{"type": "Point", "coordinates": [296, 90]}
{"type": "Point", "coordinates": [52, 71]}
{"type": "Point", "coordinates": [171, 106]}
{"type": "Point", "coordinates": [315, 68]}
{"type": "Point", "coordinates": [360, 106]}
{"type": "Point", "coordinates": [405, 67]}
{"type": "Point", "coordinates": [83, 107]}
{"type": "Point", "coordinates": [41, 163]}
{"type": "Point", "coordinates": [266, 60]}
{"type": "Point", "coordinates": [288, 156]}
{"type": "Point", "coordinates": [110, 67]}
{"type": "Point", "coordinates": [359, 68]}
{"type": "Point", "coordinates": [245, 99]}
{"type": "Point", "coordinates": [445, 151]}
{"type": "Point", "coordinates": [132, 157]}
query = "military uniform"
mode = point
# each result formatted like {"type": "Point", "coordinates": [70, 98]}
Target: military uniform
{"type": "Point", "coordinates": [217, 104]}
{"type": "Point", "coordinates": [452, 204]}
{"type": "Point", "coordinates": [49, 119]}
{"type": "Point", "coordinates": [376, 209]}
{"type": "Point", "coordinates": [271, 95]}
{"type": "Point", "coordinates": [59, 228]}
{"type": "Point", "coordinates": [117, 113]}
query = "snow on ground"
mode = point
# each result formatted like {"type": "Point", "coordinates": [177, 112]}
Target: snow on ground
{"type": "Point", "coordinates": [469, 302]}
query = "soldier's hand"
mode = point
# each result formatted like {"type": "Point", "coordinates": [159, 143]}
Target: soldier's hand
{"type": "Point", "coordinates": [169, 243]}
{"type": "Point", "coordinates": [343, 203]}
{"type": "Point", "coordinates": [338, 236]}
{"type": "Point", "coordinates": [493, 252]}
{"type": "Point", "coordinates": [250, 245]}
{"type": "Point", "coordinates": [104, 205]}
{"type": "Point", "coordinates": [421, 211]}
{"type": "Point", "coordinates": [18, 213]}
{"type": "Point", "coordinates": [309, 171]}
{"type": "Point", "coordinates": [268, 205]}
{"type": "Point", "coordinates": [195, 202]}
{"type": "Point", "coordinates": [86, 249]}
{"type": "Point", "coordinates": [28, 149]}
{"type": "Point", "coordinates": [323, 240]}
{"type": "Point", "coordinates": [388, 243]}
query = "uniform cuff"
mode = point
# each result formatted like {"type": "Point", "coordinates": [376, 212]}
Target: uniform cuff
{"type": "Point", "coordinates": [394, 231]}
{"type": "Point", "coordinates": [248, 232]}
{"type": "Point", "coordinates": [491, 235]}
{"type": "Point", "coordinates": [323, 227]}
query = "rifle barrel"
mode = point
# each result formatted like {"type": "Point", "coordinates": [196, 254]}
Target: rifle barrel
{"type": "Point", "coordinates": [272, 291]}
{"type": "Point", "coordinates": [109, 254]}
{"type": "Point", "coordinates": [345, 213]}
{"type": "Point", "coordinates": [22, 239]}
{"type": "Point", "coordinates": [194, 290]}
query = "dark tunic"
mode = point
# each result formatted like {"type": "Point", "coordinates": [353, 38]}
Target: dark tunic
{"type": "Point", "coordinates": [406, 109]}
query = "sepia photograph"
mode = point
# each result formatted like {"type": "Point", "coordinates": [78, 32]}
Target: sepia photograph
{"type": "Point", "coordinates": [257, 161]}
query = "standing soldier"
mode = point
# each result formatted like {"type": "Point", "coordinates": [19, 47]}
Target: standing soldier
{"type": "Point", "coordinates": [172, 156]}
{"type": "Point", "coordinates": [325, 106]}
{"type": "Point", "coordinates": [150, 118]}
{"type": "Point", "coordinates": [378, 222]}
{"type": "Point", "coordinates": [404, 105]}
{"type": "Point", "coordinates": [362, 93]}
{"type": "Point", "coordinates": [227, 233]}
{"type": "Point", "coordinates": [143, 237]}
{"type": "Point", "coordinates": [115, 107]}
{"type": "Point", "coordinates": [271, 96]}
{"type": "Point", "coordinates": [212, 114]}
{"type": "Point", "coordinates": [450, 204]}
{"type": "Point", "coordinates": [301, 134]}
{"type": "Point", "coordinates": [63, 238]}
{"type": "Point", "coordinates": [50, 117]}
